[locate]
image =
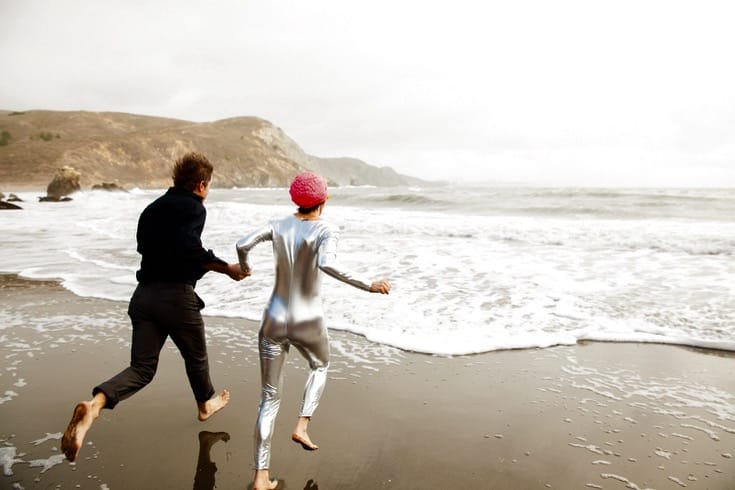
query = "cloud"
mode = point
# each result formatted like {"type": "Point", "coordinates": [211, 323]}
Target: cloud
{"type": "Point", "coordinates": [564, 92]}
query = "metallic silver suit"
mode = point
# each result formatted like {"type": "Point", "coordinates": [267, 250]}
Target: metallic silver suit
{"type": "Point", "coordinates": [301, 249]}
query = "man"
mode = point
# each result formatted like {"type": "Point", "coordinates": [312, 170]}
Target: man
{"type": "Point", "coordinates": [164, 303]}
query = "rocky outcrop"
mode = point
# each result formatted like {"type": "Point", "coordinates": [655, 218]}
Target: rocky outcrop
{"type": "Point", "coordinates": [65, 182]}
{"type": "Point", "coordinates": [108, 186]}
{"type": "Point", "coordinates": [8, 205]}
{"type": "Point", "coordinates": [54, 199]}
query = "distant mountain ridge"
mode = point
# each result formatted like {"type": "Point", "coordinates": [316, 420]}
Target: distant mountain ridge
{"type": "Point", "coordinates": [136, 150]}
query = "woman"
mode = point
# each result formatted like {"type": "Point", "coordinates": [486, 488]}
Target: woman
{"type": "Point", "coordinates": [303, 247]}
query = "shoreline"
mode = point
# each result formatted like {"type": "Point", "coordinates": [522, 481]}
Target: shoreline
{"type": "Point", "coordinates": [592, 415]}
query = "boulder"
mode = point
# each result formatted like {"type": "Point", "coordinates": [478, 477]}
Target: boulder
{"type": "Point", "coordinates": [8, 205]}
{"type": "Point", "coordinates": [54, 199]}
{"type": "Point", "coordinates": [65, 182]}
{"type": "Point", "coordinates": [14, 198]}
{"type": "Point", "coordinates": [108, 186]}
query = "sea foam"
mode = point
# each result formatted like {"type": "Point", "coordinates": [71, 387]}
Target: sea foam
{"type": "Point", "coordinates": [473, 270]}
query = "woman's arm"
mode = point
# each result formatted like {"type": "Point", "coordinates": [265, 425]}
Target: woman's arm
{"type": "Point", "coordinates": [329, 265]}
{"type": "Point", "coordinates": [245, 244]}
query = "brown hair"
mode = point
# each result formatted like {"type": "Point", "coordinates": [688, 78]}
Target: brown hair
{"type": "Point", "coordinates": [191, 169]}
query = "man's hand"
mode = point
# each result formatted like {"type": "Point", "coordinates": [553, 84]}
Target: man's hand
{"type": "Point", "coordinates": [382, 287]}
{"type": "Point", "coordinates": [236, 272]}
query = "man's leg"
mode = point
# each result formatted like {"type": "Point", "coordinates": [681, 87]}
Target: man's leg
{"type": "Point", "coordinates": [148, 339]}
{"type": "Point", "coordinates": [186, 328]}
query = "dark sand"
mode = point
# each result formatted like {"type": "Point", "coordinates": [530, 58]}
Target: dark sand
{"type": "Point", "coordinates": [598, 415]}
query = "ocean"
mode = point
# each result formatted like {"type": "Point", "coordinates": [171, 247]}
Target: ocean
{"type": "Point", "coordinates": [474, 269]}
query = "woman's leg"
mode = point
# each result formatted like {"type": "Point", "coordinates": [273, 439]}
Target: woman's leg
{"type": "Point", "coordinates": [313, 343]}
{"type": "Point", "coordinates": [272, 357]}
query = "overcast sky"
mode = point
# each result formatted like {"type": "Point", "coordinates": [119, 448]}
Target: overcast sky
{"type": "Point", "coordinates": [622, 93]}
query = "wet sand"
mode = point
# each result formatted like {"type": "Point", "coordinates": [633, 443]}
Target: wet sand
{"type": "Point", "coordinates": [597, 415]}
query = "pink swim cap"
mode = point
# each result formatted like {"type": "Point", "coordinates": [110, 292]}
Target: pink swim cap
{"type": "Point", "coordinates": [308, 189]}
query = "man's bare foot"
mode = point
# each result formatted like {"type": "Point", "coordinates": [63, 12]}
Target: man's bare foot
{"type": "Point", "coordinates": [213, 405]}
{"type": "Point", "coordinates": [262, 481]}
{"type": "Point", "coordinates": [80, 423]}
{"type": "Point", "coordinates": [304, 440]}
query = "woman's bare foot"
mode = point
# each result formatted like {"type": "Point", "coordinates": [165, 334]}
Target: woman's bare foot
{"type": "Point", "coordinates": [213, 405]}
{"type": "Point", "coordinates": [304, 441]}
{"type": "Point", "coordinates": [81, 421]}
{"type": "Point", "coordinates": [262, 481]}
{"type": "Point", "coordinates": [301, 436]}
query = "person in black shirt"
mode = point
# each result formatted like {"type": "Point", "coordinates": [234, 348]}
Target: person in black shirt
{"type": "Point", "coordinates": [164, 304]}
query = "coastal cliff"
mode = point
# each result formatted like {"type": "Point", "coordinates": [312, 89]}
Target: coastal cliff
{"type": "Point", "coordinates": [135, 150]}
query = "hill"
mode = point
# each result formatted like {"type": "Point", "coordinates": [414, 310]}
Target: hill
{"type": "Point", "coordinates": [134, 150]}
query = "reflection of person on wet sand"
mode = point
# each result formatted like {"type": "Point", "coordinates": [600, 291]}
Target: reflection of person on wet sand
{"type": "Point", "coordinates": [204, 478]}
{"type": "Point", "coordinates": [304, 247]}
{"type": "Point", "coordinates": [164, 303]}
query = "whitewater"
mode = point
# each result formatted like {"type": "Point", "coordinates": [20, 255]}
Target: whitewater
{"type": "Point", "coordinates": [474, 269]}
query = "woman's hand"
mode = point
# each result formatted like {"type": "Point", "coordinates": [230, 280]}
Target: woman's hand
{"type": "Point", "coordinates": [382, 287]}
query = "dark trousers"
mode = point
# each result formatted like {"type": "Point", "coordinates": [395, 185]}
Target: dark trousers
{"type": "Point", "coordinates": [158, 311]}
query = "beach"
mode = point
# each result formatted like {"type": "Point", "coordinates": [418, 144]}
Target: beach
{"type": "Point", "coordinates": [593, 415]}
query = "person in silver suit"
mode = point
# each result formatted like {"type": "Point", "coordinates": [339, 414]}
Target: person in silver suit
{"type": "Point", "coordinates": [304, 247]}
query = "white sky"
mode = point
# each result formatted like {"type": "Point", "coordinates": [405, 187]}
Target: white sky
{"type": "Point", "coordinates": [622, 93]}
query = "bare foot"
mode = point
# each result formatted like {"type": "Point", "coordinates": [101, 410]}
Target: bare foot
{"type": "Point", "coordinates": [213, 405]}
{"type": "Point", "coordinates": [303, 439]}
{"type": "Point", "coordinates": [80, 423]}
{"type": "Point", "coordinates": [263, 481]}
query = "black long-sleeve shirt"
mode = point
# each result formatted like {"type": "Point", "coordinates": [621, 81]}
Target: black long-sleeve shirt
{"type": "Point", "coordinates": [169, 239]}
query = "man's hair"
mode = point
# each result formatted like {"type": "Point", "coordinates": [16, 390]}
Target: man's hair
{"type": "Point", "coordinates": [191, 169]}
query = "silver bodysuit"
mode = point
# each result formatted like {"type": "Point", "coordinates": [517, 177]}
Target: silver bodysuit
{"type": "Point", "coordinates": [302, 249]}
